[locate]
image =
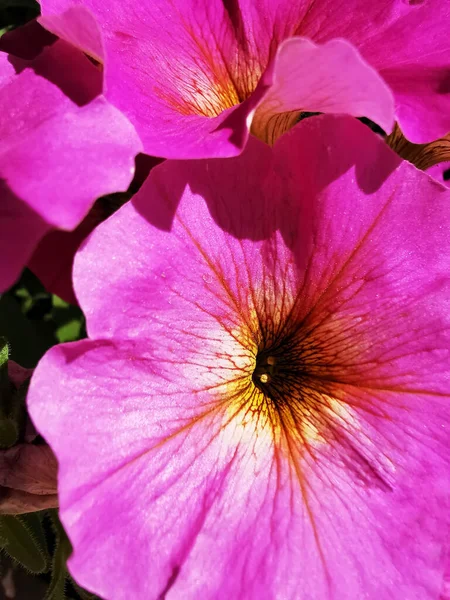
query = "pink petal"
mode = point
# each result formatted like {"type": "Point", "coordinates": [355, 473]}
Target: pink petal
{"type": "Point", "coordinates": [178, 92]}
{"type": "Point", "coordinates": [331, 78]}
{"type": "Point", "coordinates": [212, 57]}
{"type": "Point", "coordinates": [423, 100]}
{"type": "Point", "coordinates": [171, 479]}
{"type": "Point", "coordinates": [91, 293]}
{"type": "Point", "coordinates": [21, 229]}
{"type": "Point", "coordinates": [440, 171]}
{"type": "Point", "coordinates": [61, 150]}
{"type": "Point", "coordinates": [445, 593]}
{"type": "Point", "coordinates": [70, 167]}
{"type": "Point", "coordinates": [75, 167]}
{"type": "Point", "coordinates": [78, 26]}
{"type": "Point", "coordinates": [206, 505]}
{"type": "Point", "coordinates": [52, 259]}
{"type": "Point", "coordinates": [407, 42]}
{"type": "Point", "coordinates": [417, 68]}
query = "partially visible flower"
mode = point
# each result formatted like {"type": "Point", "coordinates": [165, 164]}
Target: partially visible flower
{"type": "Point", "coordinates": [62, 146]}
{"type": "Point", "coordinates": [195, 77]}
{"type": "Point", "coordinates": [262, 410]}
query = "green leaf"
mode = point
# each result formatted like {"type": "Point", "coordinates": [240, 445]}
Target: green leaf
{"type": "Point", "coordinates": [70, 331]}
{"type": "Point", "coordinates": [68, 321]}
{"type": "Point", "coordinates": [57, 588]}
{"type": "Point", "coordinates": [20, 542]}
{"type": "Point", "coordinates": [4, 352]}
{"type": "Point", "coordinates": [5, 386]}
{"type": "Point", "coordinates": [4, 30]}
{"type": "Point", "coordinates": [34, 522]}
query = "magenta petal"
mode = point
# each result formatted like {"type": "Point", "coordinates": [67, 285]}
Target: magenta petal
{"type": "Point", "coordinates": [422, 96]}
{"type": "Point", "coordinates": [329, 78]}
{"type": "Point", "coordinates": [407, 42]}
{"type": "Point", "coordinates": [78, 26]}
{"type": "Point", "coordinates": [21, 229]}
{"type": "Point", "coordinates": [445, 593]}
{"type": "Point", "coordinates": [180, 474]}
{"type": "Point", "coordinates": [88, 153]}
{"type": "Point", "coordinates": [61, 150]}
{"type": "Point", "coordinates": [441, 171]}
{"type": "Point", "coordinates": [412, 55]}
{"type": "Point", "coordinates": [177, 114]}
{"type": "Point", "coordinates": [60, 157]}
{"type": "Point", "coordinates": [52, 259]}
{"type": "Point", "coordinates": [174, 84]}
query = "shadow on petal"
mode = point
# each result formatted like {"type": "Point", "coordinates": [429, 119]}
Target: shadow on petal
{"type": "Point", "coordinates": [67, 68]}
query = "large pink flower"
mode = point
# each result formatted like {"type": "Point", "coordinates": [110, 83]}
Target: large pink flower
{"type": "Point", "coordinates": [62, 145]}
{"type": "Point", "coordinates": [190, 74]}
{"type": "Point", "coordinates": [262, 409]}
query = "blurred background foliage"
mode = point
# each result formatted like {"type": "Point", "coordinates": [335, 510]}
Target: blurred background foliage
{"type": "Point", "coordinates": [33, 320]}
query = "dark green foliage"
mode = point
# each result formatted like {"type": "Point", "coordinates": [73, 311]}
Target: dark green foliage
{"type": "Point", "coordinates": [14, 13]}
{"type": "Point", "coordinates": [23, 539]}
{"type": "Point", "coordinates": [32, 320]}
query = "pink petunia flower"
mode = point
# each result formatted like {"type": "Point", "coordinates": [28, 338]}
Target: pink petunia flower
{"type": "Point", "coordinates": [195, 77]}
{"type": "Point", "coordinates": [62, 144]}
{"type": "Point", "coordinates": [262, 410]}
